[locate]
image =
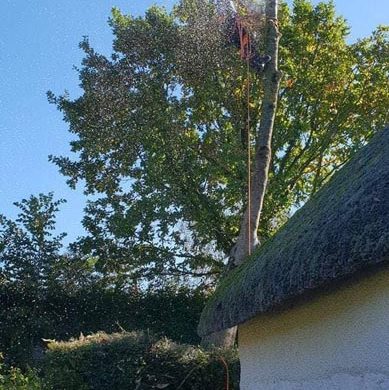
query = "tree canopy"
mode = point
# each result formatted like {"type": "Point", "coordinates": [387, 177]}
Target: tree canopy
{"type": "Point", "coordinates": [159, 132]}
{"type": "Point", "coordinates": [28, 249]}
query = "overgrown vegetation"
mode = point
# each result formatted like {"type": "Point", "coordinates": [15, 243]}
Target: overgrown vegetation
{"type": "Point", "coordinates": [126, 360]}
{"type": "Point", "coordinates": [12, 378]}
{"type": "Point", "coordinates": [27, 318]}
{"type": "Point", "coordinates": [45, 293]}
{"type": "Point", "coordinates": [137, 361]}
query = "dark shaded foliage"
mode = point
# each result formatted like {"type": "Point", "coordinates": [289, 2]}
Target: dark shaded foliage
{"type": "Point", "coordinates": [28, 316]}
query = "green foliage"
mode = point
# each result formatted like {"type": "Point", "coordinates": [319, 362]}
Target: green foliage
{"type": "Point", "coordinates": [159, 133]}
{"type": "Point", "coordinates": [28, 317]}
{"type": "Point", "coordinates": [14, 379]}
{"type": "Point", "coordinates": [28, 249]}
{"type": "Point", "coordinates": [136, 361]}
{"type": "Point", "coordinates": [48, 293]}
{"type": "Point", "coordinates": [332, 99]}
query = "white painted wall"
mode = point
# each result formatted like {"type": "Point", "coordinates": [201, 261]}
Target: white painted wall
{"type": "Point", "coordinates": [339, 340]}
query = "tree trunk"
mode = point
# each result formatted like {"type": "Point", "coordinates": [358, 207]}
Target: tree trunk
{"type": "Point", "coordinates": [248, 236]}
{"type": "Point", "coordinates": [223, 339]}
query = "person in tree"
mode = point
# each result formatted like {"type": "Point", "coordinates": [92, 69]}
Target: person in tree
{"type": "Point", "coordinates": [239, 36]}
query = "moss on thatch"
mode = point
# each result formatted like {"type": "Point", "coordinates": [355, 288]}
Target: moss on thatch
{"type": "Point", "coordinates": [343, 229]}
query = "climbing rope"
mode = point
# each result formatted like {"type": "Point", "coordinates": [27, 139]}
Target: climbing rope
{"type": "Point", "coordinates": [227, 378]}
{"type": "Point", "coordinates": [246, 54]}
{"type": "Point", "coordinates": [248, 154]}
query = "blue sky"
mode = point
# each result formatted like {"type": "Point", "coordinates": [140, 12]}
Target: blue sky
{"type": "Point", "coordinates": [38, 49]}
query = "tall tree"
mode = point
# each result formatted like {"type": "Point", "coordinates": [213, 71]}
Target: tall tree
{"type": "Point", "coordinates": [158, 132]}
{"type": "Point", "coordinates": [247, 240]}
{"type": "Point", "coordinates": [33, 258]}
{"type": "Point", "coordinates": [28, 248]}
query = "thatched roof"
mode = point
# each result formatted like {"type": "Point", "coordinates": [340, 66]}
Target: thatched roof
{"type": "Point", "coordinates": [341, 231]}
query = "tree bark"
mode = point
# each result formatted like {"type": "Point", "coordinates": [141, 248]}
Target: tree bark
{"type": "Point", "coordinates": [223, 339]}
{"type": "Point", "coordinates": [248, 236]}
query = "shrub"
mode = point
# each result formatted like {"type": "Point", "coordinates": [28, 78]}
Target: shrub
{"type": "Point", "coordinates": [135, 360]}
{"type": "Point", "coordinates": [14, 379]}
{"type": "Point", "coordinates": [27, 317]}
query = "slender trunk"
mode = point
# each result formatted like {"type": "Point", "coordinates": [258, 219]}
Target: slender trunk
{"type": "Point", "coordinates": [261, 163]}
{"type": "Point", "coordinates": [248, 237]}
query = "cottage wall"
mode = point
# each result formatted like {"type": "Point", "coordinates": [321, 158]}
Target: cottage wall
{"type": "Point", "coordinates": [338, 340]}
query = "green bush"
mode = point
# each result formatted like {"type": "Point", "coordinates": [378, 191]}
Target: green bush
{"type": "Point", "coordinates": [27, 317]}
{"type": "Point", "coordinates": [135, 360]}
{"type": "Point", "coordinates": [14, 379]}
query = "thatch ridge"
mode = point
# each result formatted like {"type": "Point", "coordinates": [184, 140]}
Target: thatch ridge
{"type": "Point", "coordinates": [343, 229]}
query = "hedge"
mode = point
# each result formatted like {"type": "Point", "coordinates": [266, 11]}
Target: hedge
{"type": "Point", "coordinates": [136, 360]}
{"type": "Point", "coordinates": [28, 317]}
